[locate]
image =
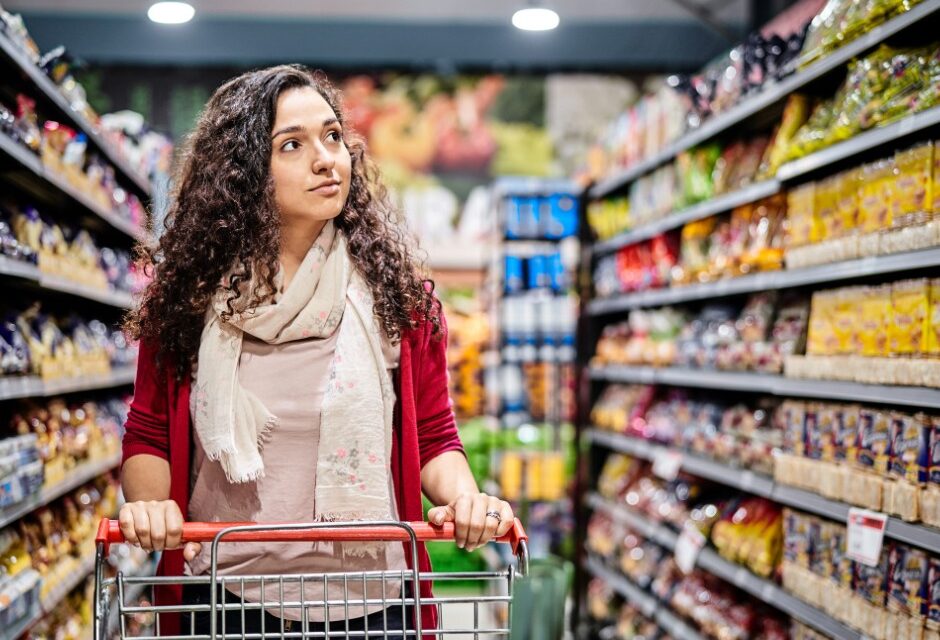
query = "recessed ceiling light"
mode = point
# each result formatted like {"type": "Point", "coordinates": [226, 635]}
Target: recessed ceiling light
{"type": "Point", "coordinates": [171, 12]}
{"type": "Point", "coordinates": [535, 19]}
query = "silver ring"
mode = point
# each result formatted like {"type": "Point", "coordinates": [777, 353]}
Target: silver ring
{"type": "Point", "coordinates": [494, 514]}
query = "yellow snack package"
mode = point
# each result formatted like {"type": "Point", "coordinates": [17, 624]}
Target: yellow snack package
{"type": "Point", "coordinates": [910, 311]}
{"type": "Point", "coordinates": [935, 175]}
{"type": "Point", "coordinates": [874, 212]}
{"type": "Point", "coordinates": [820, 339]}
{"type": "Point", "coordinates": [827, 200]}
{"type": "Point", "coordinates": [801, 209]}
{"type": "Point", "coordinates": [875, 307]}
{"type": "Point", "coordinates": [847, 205]}
{"type": "Point", "coordinates": [933, 318]}
{"type": "Point", "coordinates": [847, 320]}
{"type": "Point", "coordinates": [913, 191]}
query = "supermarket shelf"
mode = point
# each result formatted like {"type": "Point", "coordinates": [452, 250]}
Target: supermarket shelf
{"type": "Point", "coordinates": [871, 139]}
{"type": "Point", "coordinates": [674, 220]}
{"type": "Point", "coordinates": [76, 478]}
{"type": "Point", "coordinates": [507, 186]}
{"type": "Point", "coordinates": [85, 569]}
{"type": "Point", "coordinates": [20, 627]}
{"type": "Point", "coordinates": [459, 254]}
{"type": "Point", "coordinates": [16, 269]}
{"type": "Point", "coordinates": [783, 279]}
{"type": "Point", "coordinates": [32, 163]}
{"type": "Point", "coordinates": [710, 561]}
{"type": "Point", "coordinates": [14, 387]}
{"type": "Point", "coordinates": [9, 50]}
{"type": "Point", "coordinates": [761, 485]}
{"type": "Point", "coordinates": [648, 604]}
{"type": "Point", "coordinates": [769, 96]}
{"type": "Point", "coordinates": [770, 384]}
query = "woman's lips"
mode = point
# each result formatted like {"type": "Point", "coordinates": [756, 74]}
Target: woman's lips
{"type": "Point", "coordinates": [326, 190]}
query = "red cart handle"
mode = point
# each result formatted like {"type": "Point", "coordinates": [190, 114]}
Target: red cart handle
{"type": "Point", "coordinates": [109, 532]}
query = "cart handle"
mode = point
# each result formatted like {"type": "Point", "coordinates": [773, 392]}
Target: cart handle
{"type": "Point", "coordinates": [109, 532]}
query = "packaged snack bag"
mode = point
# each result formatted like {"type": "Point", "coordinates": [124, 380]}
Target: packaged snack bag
{"type": "Point", "coordinates": [871, 583]}
{"type": "Point", "coordinates": [933, 318]}
{"type": "Point", "coordinates": [910, 446]}
{"type": "Point", "coordinates": [875, 311]}
{"type": "Point", "coordinates": [913, 193]}
{"type": "Point", "coordinates": [932, 594]}
{"type": "Point", "coordinates": [801, 212]}
{"type": "Point", "coordinates": [908, 570]}
{"type": "Point", "coordinates": [847, 319]}
{"type": "Point", "coordinates": [847, 207]}
{"type": "Point", "coordinates": [874, 451]}
{"type": "Point", "coordinates": [821, 339]}
{"type": "Point", "coordinates": [909, 327]}
{"type": "Point", "coordinates": [874, 212]}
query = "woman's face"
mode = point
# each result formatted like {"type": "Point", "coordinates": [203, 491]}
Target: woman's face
{"type": "Point", "coordinates": [310, 164]}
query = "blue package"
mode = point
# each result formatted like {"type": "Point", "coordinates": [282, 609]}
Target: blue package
{"type": "Point", "coordinates": [513, 274]}
{"type": "Point", "coordinates": [559, 216]}
{"type": "Point", "coordinates": [529, 214]}
{"type": "Point", "coordinates": [513, 209]}
{"type": "Point", "coordinates": [556, 272]}
{"type": "Point", "coordinates": [536, 272]}
{"type": "Point", "coordinates": [910, 446]}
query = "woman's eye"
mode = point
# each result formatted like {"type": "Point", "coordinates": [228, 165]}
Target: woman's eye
{"type": "Point", "coordinates": [334, 136]}
{"type": "Point", "coordinates": [290, 145]}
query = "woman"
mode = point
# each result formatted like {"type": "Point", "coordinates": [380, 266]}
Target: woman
{"type": "Point", "coordinates": [292, 363]}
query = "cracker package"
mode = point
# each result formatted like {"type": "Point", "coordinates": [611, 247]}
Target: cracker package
{"type": "Point", "coordinates": [875, 307]}
{"type": "Point", "coordinates": [847, 319]}
{"type": "Point", "coordinates": [913, 192]}
{"type": "Point", "coordinates": [933, 459]}
{"type": "Point", "coordinates": [909, 327]}
{"type": "Point", "coordinates": [827, 207]}
{"type": "Point", "coordinates": [932, 594]}
{"type": "Point", "coordinates": [821, 339]}
{"type": "Point", "coordinates": [910, 446]}
{"type": "Point", "coordinates": [935, 209]}
{"type": "Point", "coordinates": [871, 583]}
{"type": "Point", "coordinates": [812, 432]}
{"type": "Point", "coordinates": [801, 213]}
{"type": "Point", "coordinates": [933, 318]}
{"type": "Point", "coordinates": [907, 581]}
{"type": "Point", "coordinates": [845, 433]}
{"type": "Point", "coordinates": [874, 451]}
{"type": "Point", "coordinates": [791, 418]}
{"type": "Point", "coordinates": [847, 206]}
{"type": "Point", "coordinates": [796, 540]}
{"type": "Point", "coordinates": [841, 565]}
{"type": "Point", "coordinates": [874, 207]}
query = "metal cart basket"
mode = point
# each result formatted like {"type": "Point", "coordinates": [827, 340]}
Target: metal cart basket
{"type": "Point", "coordinates": [301, 606]}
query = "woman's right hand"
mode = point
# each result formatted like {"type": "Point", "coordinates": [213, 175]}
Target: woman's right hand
{"type": "Point", "coordinates": [155, 525]}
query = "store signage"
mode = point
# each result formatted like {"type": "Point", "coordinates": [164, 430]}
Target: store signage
{"type": "Point", "coordinates": [866, 533]}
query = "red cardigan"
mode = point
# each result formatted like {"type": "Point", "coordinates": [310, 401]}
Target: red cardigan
{"type": "Point", "coordinates": [159, 424]}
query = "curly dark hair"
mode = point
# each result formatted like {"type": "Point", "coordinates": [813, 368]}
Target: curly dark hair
{"type": "Point", "coordinates": [223, 217]}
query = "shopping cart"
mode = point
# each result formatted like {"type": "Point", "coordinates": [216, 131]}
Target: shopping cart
{"type": "Point", "coordinates": [485, 613]}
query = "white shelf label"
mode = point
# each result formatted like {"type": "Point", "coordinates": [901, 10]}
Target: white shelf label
{"type": "Point", "coordinates": [688, 546]}
{"type": "Point", "coordinates": [666, 464]}
{"type": "Point", "coordinates": [866, 533]}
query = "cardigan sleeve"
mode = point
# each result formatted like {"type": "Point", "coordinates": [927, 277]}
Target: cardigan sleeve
{"type": "Point", "coordinates": [437, 425]}
{"type": "Point", "coordinates": [147, 427]}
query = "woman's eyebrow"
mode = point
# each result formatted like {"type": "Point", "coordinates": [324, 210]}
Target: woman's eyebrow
{"type": "Point", "coordinates": [296, 128]}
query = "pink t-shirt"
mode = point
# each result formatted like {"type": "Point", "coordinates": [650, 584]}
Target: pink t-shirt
{"type": "Point", "coordinates": [290, 380]}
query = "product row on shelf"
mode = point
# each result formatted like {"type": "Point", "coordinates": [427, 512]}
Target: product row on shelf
{"type": "Point", "coordinates": [87, 147]}
{"type": "Point", "coordinates": [643, 523]}
{"type": "Point", "coordinates": [883, 208]}
{"type": "Point", "coordinates": [757, 75]}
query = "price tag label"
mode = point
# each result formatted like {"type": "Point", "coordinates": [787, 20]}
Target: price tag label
{"type": "Point", "coordinates": [688, 546]}
{"type": "Point", "coordinates": [666, 464]}
{"type": "Point", "coordinates": [865, 536]}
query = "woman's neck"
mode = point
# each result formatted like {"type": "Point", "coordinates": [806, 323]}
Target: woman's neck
{"type": "Point", "coordinates": [296, 240]}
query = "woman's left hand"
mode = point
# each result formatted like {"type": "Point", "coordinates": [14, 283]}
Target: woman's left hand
{"type": "Point", "coordinates": [474, 518]}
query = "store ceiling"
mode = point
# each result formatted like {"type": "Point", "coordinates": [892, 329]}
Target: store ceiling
{"type": "Point", "coordinates": [637, 35]}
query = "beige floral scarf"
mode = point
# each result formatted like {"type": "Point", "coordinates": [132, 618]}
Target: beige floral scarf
{"type": "Point", "coordinates": [353, 474]}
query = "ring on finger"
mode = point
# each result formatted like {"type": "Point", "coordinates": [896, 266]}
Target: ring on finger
{"type": "Point", "coordinates": [494, 514]}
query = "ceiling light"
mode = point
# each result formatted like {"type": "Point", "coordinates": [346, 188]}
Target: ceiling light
{"type": "Point", "coordinates": [535, 19]}
{"type": "Point", "coordinates": [171, 12]}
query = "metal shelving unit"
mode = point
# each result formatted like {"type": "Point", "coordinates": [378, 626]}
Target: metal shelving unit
{"type": "Point", "coordinates": [709, 560]}
{"type": "Point", "coordinates": [918, 535]}
{"type": "Point", "coordinates": [51, 95]}
{"type": "Point", "coordinates": [77, 477]}
{"type": "Point", "coordinates": [726, 202]}
{"type": "Point", "coordinates": [768, 97]}
{"type": "Point", "coordinates": [649, 605]}
{"type": "Point", "coordinates": [51, 180]}
{"type": "Point", "coordinates": [13, 387]}
{"type": "Point", "coordinates": [770, 384]}
{"type": "Point", "coordinates": [784, 279]}
{"type": "Point", "coordinates": [14, 269]}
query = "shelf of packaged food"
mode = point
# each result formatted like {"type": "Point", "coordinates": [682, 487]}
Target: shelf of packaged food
{"type": "Point", "coordinates": [770, 280]}
{"type": "Point", "coordinates": [77, 477]}
{"type": "Point", "coordinates": [14, 387]}
{"type": "Point", "coordinates": [85, 568]}
{"type": "Point", "coordinates": [459, 254]}
{"type": "Point", "coordinates": [133, 589]}
{"type": "Point", "coordinates": [769, 96]}
{"type": "Point", "coordinates": [764, 486]}
{"type": "Point", "coordinates": [771, 384]}
{"type": "Point", "coordinates": [719, 204]}
{"type": "Point", "coordinates": [649, 605]}
{"type": "Point", "coordinates": [51, 92]}
{"type": "Point", "coordinates": [872, 139]}
{"type": "Point", "coordinates": [709, 560]}
{"type": "Point", "coordinates": [16, 269]}
{"type": "Point", "coordinates": [32, 163]}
